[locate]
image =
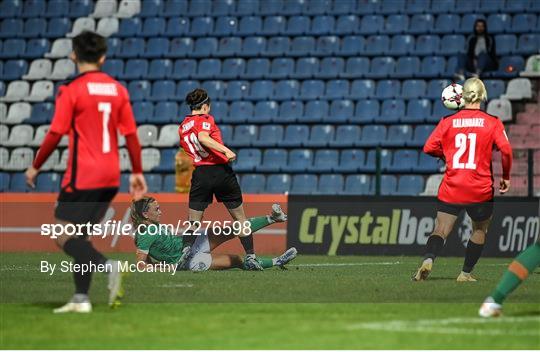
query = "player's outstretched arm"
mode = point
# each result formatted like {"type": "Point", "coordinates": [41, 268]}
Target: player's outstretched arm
{"type": "Point", "coordinates": [209, 142]}
{"type": "Point", "coordinates": [503, 144]}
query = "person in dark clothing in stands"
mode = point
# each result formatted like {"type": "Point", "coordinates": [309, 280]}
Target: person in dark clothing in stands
{"type": "Point", "coordinates": [481, 53]}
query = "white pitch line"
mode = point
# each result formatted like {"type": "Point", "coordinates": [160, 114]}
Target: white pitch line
{"type": "Point", "coordinates": [345, 264]}
{"type": "Point", "coordinates": [176, 286]}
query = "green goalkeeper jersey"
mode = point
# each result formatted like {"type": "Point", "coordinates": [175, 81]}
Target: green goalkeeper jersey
{"type": "Point", "coordinates": [162, 246]}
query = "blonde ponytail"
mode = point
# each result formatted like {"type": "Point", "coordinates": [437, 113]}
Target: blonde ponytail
{"type": "Point", "coordinates": [474, 91]}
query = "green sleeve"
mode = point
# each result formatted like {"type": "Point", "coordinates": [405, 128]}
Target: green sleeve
{"type": "Point", "coordinates": [144, 242]}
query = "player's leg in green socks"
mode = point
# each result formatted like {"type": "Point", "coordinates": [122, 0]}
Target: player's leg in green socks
{"type": "Point", "coordinates": [517, 272]}
{"type": "Point", "coordinates": [260, 222]}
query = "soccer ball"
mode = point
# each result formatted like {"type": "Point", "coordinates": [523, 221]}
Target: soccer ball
{"type": "Point", "coordinates": [452, 96]}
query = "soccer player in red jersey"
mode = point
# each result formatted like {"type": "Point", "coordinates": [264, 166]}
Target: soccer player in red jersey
{"type": "Point", "coordinates": [91, 108]}
{"type": "Point", "coordinates": [200, 137]}
{"type": "Point", "coordinates": [465, 141]}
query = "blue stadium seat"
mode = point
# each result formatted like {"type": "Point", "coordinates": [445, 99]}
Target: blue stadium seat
{"type": "Point", "coordinates": [417, 6]}
{"type": "Point", "coordinates": [366, 111]}
{"type": "Point", "coordinates": [346, 135]}
{"type": "Point", "coordinates": [297, 25]}
{"type": "Point", "coordinates": [269, 136]}
{"type": "Point", "coordinates": [350, 160]}
{"type": "Point", "coordinates": [410, 185]}
{"type": "Point", "coordinates": [286, 89]}
{"type": "Point", "coordinates": [129, 27]}
{"type": "Point", "coordinates": [244, 135]}
{"type": "Point", "coordinates": [237, 90]}
{"type": "Point", "coordinates": [302, 46]}
{"type": "Point", "coordinates": [153, 27]}
{"type": "Point", "coordinates": [220, 109]}
{"type": "Point", "coordinates": [495, 88]}
{"type": "Point", "coordinates": [174, 8]}
{"type": "Point", "coordinates": [445, 23]}
{"type": "Point", "coordinates": [240, 112]}
{"type": "Point", "coordinates": [523, 23]}
{"type": "Point", "coordinates": [229, 46]}
{"type": "Point", "coordinates": [318, 7]}
{"type": "Point", "coordinates": [162, 91]}
{"type": "Point", "coordinates": [169, 183]}
{"type": "Point", "coordinates": [223, 7]}
{"type": "Point", "coordinates": [151, 8]}
{"type": "Point", "coordinates": [349, 6]}
{"type": "Point", "coordinates": [388, 88]}
{"type": "Point", "coordinates": [491, 5]}
{"type": "Point", "coordinates": [352, 45]}
{"type": "Point", "coordinates": [180, 47]}
{"type": "Point", "coordinates": [33, 28]}
{"type": "Point", "coordinates": [388, 185]}
{"type": "Point", "coordinates": [281, 68]}
{"type": "Point", "coordinates": [306, 67]}
{"type": "Point", "coordinates": [435, 87]}
{"type": "Point", "coordinates": [320, 136]}
{"type": "Point", "coordinates": [166, 161]}
{"type": "Point", "coordinates": [432, 66]}
{"type": "Point", "coordinates": [14, 69]}
{"type": "Point", "coordinates": [18, 183]}
{"type": "Point", "coordinates": [505, 43]}
{"type": "Point", "coordinates": [265, 111]}
{"type": "Point", "coordinates": [274, 160]}
{"type": "Point", "coordinates": [257, 68]}
{"type": "Point", "coordinates": [427, 45]}
{"type": "Point", "coordinates": [124, 183]}
{"type": "Point", "coordinates": [293, 7]}
{"type": "Point", "coordinates": [290, 112]}
{"type": "Point", "coordinates": [401, 45]}
{"type": "Point", "coordinates": [300, 160]}
{"type": "Point", "coordinates": [421, 134]}
{"type": "Point", "coordinates": [184, 69]}
{"type": "Point", "coordinates": [143, 111]}
{"type": "Point", "coordinates": [200, 8]}
{"type": "Point", "coordinates": [466, 6]}
{"type": "Point", "coordinates": [337, 89]}
{"type": "Point", "coordinates": [254, 46]}
{"type": "Point", "coordinates": [377, 44]}
{"type": "Point", "coordinates": [226, 26]}
{"type": "Point", "coordinates": [177, 27]}
{"type": "Point", "coordinates": [2, 88]}
{"type": "Point", "coordinates": [396, 24]}
{"type": "Point", "coordinates": [439, 111]}
{"type": "Point", "coordinates": [277, 46]}
{"type": "Point", "coordinates": [165, 112]}
{"type": "Point", "coordinates": [356, 67]}
{"type": "Point", "coordinates": [413, 89]}
{"type": "Point", "coordinates": [467, 21]}
{"type": "Point", "coordinates": [295, 135]}
{"type": "Point", "coordinates": [57, 27]}
{"type": "Point", "coordinates": [48, 182]}
{"type": "Point", "coordinates": [418, 110]}
{"type": "Point", "coordinates": [261, 90]}
{"type": "Point", "coordinates": [330, 184]}
{"type": "Point", "coordinates": [33, 8]}
{"type": "Point", "coordinates": [381, 67]}
{"type": "Point", "coordinates": [80, 8]}
{"type": "Point", "coordinates": [208, 69]}
{"type": "Point", "coordinates": [156, 47]}
{"type": "Point", "coordinates": [139, 90]}
{"type": "Point", "coordinates": [428, 164]}
{"type": "Point", "coordinates": [160, 69]}
{"type": "Point", "coordinates": [325, 160]}
{"type": "Point", "coordinates": [404, 160]}
{"type": "Point", "coordinates": [331, 67]}
{"type": "Point", "coordinates": [312, 89]}
{"type": "Point", "coordinates": [226, 132]}
{"type": "Point", "coordinates": [274, 25]}
{"type": "Point", "coordinates": [358, 185]}
{"type": "Point", "coordinates": [303, 184]}
{"type": "Point", "coordinates": [131, 48]}
{"type": "Point", "coordinates": [372, 136]}
{"type": "Point", "coordinates": [371, 160]}
{"type": "Point", "coordinates": [391, 111]}
{"type": "Point", "coordinates": [341, 111]}
{"type": "Point", "coordinates": [36, 48]}
{"type": "Point", "coordinates": [154, 182]}
{"type": "Point", "coordinates": [362, 89]}
{"type": "Point", "coordinates": [135, 69]}
{"type": "Point", "coordinates": [519, 6]}
{"type": "Point", "coordinates": [528, 44]}
{"type": "Point", "coordinates": [10, 9]}
{"type": "Point", "coordinates": [215, 89]}
{"type": "Point", "coordinates": [421, 23]}
{"type": "Point", "coordinates": [322, 25]}
{"type": "Point", "coordinates": [42, 113]}
{"type": "Point", "coordinates": [113, 47]}
{"type": "Point", "coordinates": [499, 23]}
{"type": "Point", "coordinates": [395, 6]}
{"type": "Point", "coordinates": [248, 159]}
{"type": "Point", "coordinates": [509, 67]}
{"type": "Point", "coordinates": [327, 45]}
{"type": "Point", "coordinates": [278, 184]}
{"type": "Point", "coordinates": [204, 47]}
{"type": "Point", "coordinates": [250, 25]}
{"type": "Point", "coordinates": [315, 111]}
{"type": "Point", "coordinates": [12, 48]}
{"type": "Point", "coordinates": [4, 181]}
{"type": "Point", "coordinates": [398, 136]}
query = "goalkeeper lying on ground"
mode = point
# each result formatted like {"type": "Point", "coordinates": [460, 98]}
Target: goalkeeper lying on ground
{"type": "Point", "coordinates": [166, 247]}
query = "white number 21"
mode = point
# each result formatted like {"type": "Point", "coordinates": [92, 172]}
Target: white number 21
{"type": "Point", "coordinates": [461, 144]}
{"type": "Point", "coordinates": [105, 108]}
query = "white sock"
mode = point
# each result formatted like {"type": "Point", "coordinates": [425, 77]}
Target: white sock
{"type": "Point", "coordinates": [80, 298]}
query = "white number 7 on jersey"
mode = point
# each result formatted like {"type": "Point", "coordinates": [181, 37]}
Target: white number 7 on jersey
{"type": "Point", "coordinates": [105, 108]}
{"type": "Point", "coordinates": [461, 144]}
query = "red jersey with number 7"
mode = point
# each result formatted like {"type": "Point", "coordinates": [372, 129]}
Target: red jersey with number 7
{"type": "Point", "coordinates": [189, 131]}
{"type": "Point", "coordinates": [466, 140]}
{"type": "Point", "coordinates": [92, 108]}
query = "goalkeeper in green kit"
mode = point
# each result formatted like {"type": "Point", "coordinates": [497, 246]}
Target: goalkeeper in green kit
{"type": "Point", "coordinates": [165, 247]}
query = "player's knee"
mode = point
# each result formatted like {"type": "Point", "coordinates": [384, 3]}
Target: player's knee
{"type": "Point", "coordinates": [232, 205]}
{"type": "Point", "coordinates": [198, 206]}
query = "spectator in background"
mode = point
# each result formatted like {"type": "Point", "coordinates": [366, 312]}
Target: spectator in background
{"type": "Point", "coordinates": [481, 54]}
{"type": "Point", "coordinates": [184, 169]}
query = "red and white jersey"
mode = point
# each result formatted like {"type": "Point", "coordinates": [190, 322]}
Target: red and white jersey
{"type": "Point", "coordinates": [189, 131]}
{"type": "Point", "coordinates": [92, 108]}
{"type": "Point", "coordinates": [465, 140]}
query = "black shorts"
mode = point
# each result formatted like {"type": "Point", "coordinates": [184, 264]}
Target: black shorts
{"type": "Point", "coordinates": [477, 211]}
{"type": "Point", "coordinates": [83, 206]}
{"type": "Point", "coordinates": [209, 180]}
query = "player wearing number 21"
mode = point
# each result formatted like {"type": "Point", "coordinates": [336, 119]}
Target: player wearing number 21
{"type": "Point", "coordinates": [465, 141]}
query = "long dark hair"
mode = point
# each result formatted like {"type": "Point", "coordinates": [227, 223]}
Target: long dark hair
{"type": "Point", "coordinates": [137, 208]}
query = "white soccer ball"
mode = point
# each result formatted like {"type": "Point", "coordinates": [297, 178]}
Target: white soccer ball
{"type": "Point", "coordinates": [452, 97]}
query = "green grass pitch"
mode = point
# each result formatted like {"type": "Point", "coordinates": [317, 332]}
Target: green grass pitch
{"type": "Point", "coordinates": [319, 303]}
